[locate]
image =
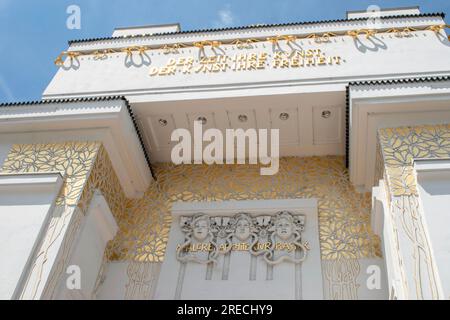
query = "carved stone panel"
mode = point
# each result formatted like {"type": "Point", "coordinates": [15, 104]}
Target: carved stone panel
{"type": "Point", "coordinates": [269, 249]}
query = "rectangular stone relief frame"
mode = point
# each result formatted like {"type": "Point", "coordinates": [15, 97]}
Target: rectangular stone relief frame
{"type": "Point", "coordinates": [311, 269]}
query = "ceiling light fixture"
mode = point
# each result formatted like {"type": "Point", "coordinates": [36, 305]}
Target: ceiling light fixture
{"type": "Point", "coordinates": [326, 114]}
{"type": "Point", "coordinates": [242, 118]}
{"type": "Point", "coordinates": [202, 120]}
{"type": "Point", "coordinates": [284, 116]}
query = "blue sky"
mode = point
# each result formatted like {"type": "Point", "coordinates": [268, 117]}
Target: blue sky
{"type": "Point", "coordinates": [33, 33]}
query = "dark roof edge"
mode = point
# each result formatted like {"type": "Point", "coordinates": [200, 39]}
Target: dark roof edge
{"type": "Point", "coordinates": [399, 81]}
{"type": "Point", "coordinates": [93, 99]}
{"type": "Point", "coordinates": [376, 82]}
{"type": "Point", "coordinates": [436, 14]}
{"type": "Point", "coordinates": [62, 100]}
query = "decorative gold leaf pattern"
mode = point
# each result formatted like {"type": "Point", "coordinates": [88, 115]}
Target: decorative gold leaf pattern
{"type": "Point", "coordinates": [144, 223]}
{"type": "Point", "coordinates": [73, 159]}
{"type": "Point", "coordinates": [400, 146]}
{"type": "Point", "coordinates": [344, 214]}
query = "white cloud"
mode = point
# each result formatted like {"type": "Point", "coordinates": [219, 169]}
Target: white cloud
{"type": "Point", "coordinates": [225, 18]}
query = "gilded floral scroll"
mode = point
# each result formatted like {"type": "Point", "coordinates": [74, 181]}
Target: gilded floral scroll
{"type": "Point", "coordinates": [344, 214]}
{"type": "Point", "coordinates": [399, 147]}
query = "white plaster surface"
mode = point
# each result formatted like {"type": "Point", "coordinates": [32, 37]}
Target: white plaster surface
{"type": "Point", "coordinates": [4, 150]}
{"type": "Point", "coordinates": [114, 286]}
{"type": "Point", "coordinates": [130, 280]}
{"type": "Point", "coordinates": [383, 56]}
{"type": "Point", "coordinates": [26, 204]}
{"type": "Point", "coordinates": [98, 227]}
{"type": "Point", "coordinates": [434, 191]}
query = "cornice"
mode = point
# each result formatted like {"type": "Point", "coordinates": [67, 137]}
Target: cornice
{"type": "Point", "coordinates": [374, 83]}
{"type": "Point", "coordinates": [90, 99]}
{"type": "Point", "coordinates": [253, 27]}
{"type": "Point", "coordinates": [398, 81]}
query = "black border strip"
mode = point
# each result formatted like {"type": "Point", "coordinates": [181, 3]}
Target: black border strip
{"type": "Point", "coordinates": [347, 125]}
{"type": "Point", "coordinates": [421, 15]}
{"type": "Point", "coordinates": [375, 83]}
{"type": "Point", "coordinates": [93, 99]}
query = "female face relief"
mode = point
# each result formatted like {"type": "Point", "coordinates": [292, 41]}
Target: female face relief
{"type": "Point", "coordinates": [284, 228]}
{"type": "Point", "coordinates": [242, 229]}
{"type": "Point", "coordinates": [201, 229]}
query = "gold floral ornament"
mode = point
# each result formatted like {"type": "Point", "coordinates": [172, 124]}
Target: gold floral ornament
{"type": "Point", "coordinates": [274, 40]}
{"type": "Point", "coordinates": [326, 36]}
{"type": "Point", "coordinates": [244, 44]}
{"type": "Point", "coordinates": [172, 49]}
{"type": "Point", "coordinates": [400, 146]}
{"type": "Point", "coordinates": [199, 44]}
{"type": "Point", "coordinates": [312, 36]}
{"type": "Point", "coordinates": [72, 159]}
{"type": "Point", "coordinates": [438, 28]}
{"type": "Point", "coordinates": [405, 32]}
{"type": "Point", "coordinates": [202, 44]}
{"type": "Point", "coordinates": [102, 54]}
{"type": "Point", "coordinates": [144, 223]}
{"type": "Point", "coordinates": [344, 214]}
{"type": "Point", "coordinates": [215, 44]}
{"type": "Point", "coordinates": [321, 38]}
{"type": "Point", "coordinates": [290, 38]}
{"type": "Point", "coordinates": [69, 54]}
{"type": "Point", "coordinates": [402, 181]}
{"type": "Point", "coordinates": [142, 50]}
{"type": "Point", "coordinates": [355, 33]}
{"type": "Point", "coordinates": [247, 43]}
{"type": "Point", "coordinates": [129, 51]}
{"type": "Point", "coordinates": [369, 33]}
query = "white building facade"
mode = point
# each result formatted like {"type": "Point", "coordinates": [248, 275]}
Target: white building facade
{"type": "Point", "coordinates": [91, 206]}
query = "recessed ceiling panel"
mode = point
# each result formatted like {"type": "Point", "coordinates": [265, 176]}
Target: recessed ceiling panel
{"type": "Point", "coordinates": [244, 119]}
{"type": "Point", "coordinates": [286, 120]}
{"type": "Point", "coordinates": [161, 130]}
{"type": "Point", "coordinates": [327, 124]}
{"type": "Point", "coordinates": [207, 119]}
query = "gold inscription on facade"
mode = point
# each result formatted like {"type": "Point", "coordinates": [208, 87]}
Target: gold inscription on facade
{"type": "Point", "coordinates": [240, 246]}
{"type": "Point", "coordinates": [245, 62]}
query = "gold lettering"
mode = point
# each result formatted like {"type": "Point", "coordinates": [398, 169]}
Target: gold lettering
{"type": "Point", "coordinates": [311, 61]}
{"type": "Point", "coordinates": [245, 62]}
{"type": "Point", "coordinates": [310, 53]}
{"type": "Point", "coordinates": [321, 60]}
{"type": "Point", "coordinates": [154, 71]}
